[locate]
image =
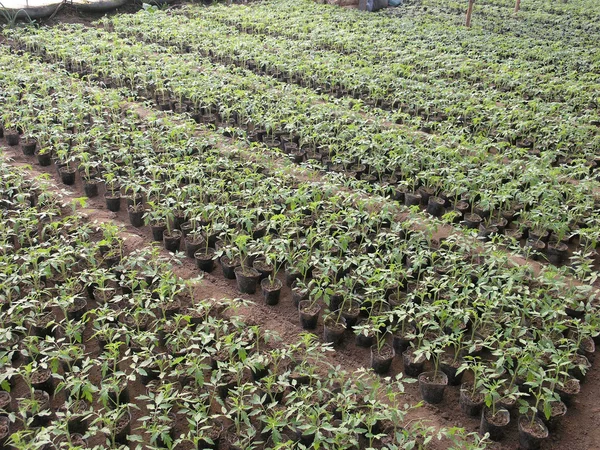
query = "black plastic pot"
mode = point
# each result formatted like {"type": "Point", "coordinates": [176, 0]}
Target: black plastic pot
{"type": "Point", "coordinates": [401, 340]}
{"type": "Point", "coordinates": [351, 312]}
{"type": "Point", "coordinates": [157, 231]}
{"type": "Point", "coordinates": [412, 367]}
{"type": "Point", "coordinates": [134, 199]}
{"type": "Point", "coordinates": [205, 259]}
{"type": "Point", "coordinates": [435, 206]}
{"type": "Point", "coordinates": [4, 432]}
{"type": "Point", "coordinates": [28, 147]}
{"type": "Point", "coordinates": [531, 435]}
{"type": "Point", "coordinates": [247, 279]}
{"type": "Point", "coordinates": [78, 422]}
{"type": "Point", "coordinates": [192, 245]}
{"type": "Point", "coordinates": [113, 201]}
{"type": "Point", "coordinates": [568, 391]}
{"type": "Point", "coordinates": [557, 253]}
{"type": "Point", "coordinates": [136, 215]}
{"type": "Point", "coordinates": [44, 159]}
{"type": "Point", "coordinates": [45, 324]}
{"type": "Point", "coordinates": [67, 175]}
{"type": "Point", "coordinates": [333, 330]}
{"type": "Point", "coordinates": [470, 406]}
{"type": "Point", "coordinates": [178, 219]}
{"type": "Point", "coordinates": [229, 266]}
{"type": "Point", "coordinates": [43, 399]}
{"type": "Point", "coordinates": [582, 366]}
{"type": "Point", "coordinates": [381, 359]}
{"type": "Point", "coordinates": [187, 228]}
{"type": "Point", "coordinates": [535, 248]}
{"type": "Point", "coordinates": [291, 276]}
{"type": "Point", "coordinates": [298, 294]}
{"type": "Point", "coordinates": [494, 425]}
{"type": "Point", "coordinates": [472, 221]}
{"type": "Point", "coordinates": [432, 386]}
{"type": "Point", "coordinates": [214, 434]}
{"type": "Point", "coordinates": [5, 400]}
{"type": "Point", "coordinates": [123, 428]}
{"type": "Point", "coordinates": [365, 340]}
{"type": "Point", "coordinates": [309, 314]}
{"type": "Point", "coordinates": [411, 199]}
{"type": "Point", "coordinates": [486, 233]}
{"type": "Point", "coordinates": [77, 309]}
{"type": "Point", "coordinates": [557, 412]}
{"type": "Point", "coordinates": [172, 240]}
{"type": "Point", "coordinates": [12, 137]}
{"type": "Point", "coordinates": [90, 188]}
{"type": "Point", "coordinates": [450, 369]}
{"type": "Point", "coordinates": [271, 291]}
{"type": "Point", "coordinates": [265, 269]}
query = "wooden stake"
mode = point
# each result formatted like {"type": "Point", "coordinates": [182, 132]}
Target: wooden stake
{"type": "Point", "coordinates": [518, 6]}
{"type": "Point", "coordinates": [469, 13]}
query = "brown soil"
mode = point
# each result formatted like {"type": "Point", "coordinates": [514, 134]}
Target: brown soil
{"type": "Point", "coordinates": [3, 426]}
{"type": "Point", "coordinates": [438, 379]}
{"type": "Point", "coordinates": [467, 388]}
{"type": "Point", "coordinates": [277, 284]}
{"type": "Point", "coordinates": [40, 376]}
{"type": "Point", "coordinates": [572, 386]}
{"type": "Point", "coordinates": [77, 304]}
{"type": "Point", "coordinates": [499, 419]}
{"type": "Point", "coordinates": [262, 266]}
{"type": "Point", "coordinates": [557, 409]}
{"type": "Point", "coordinates": [78, 441]}
{"type": "Point", "coordinates": [41, 397]}
{"type": "Point", "coordinates": [535, 429]}
{"type": "Point", "coordinates": [310, 309]}
{"type": "Point", "coordinates": [4, 400]}
{"type": "Point", "coordinates": [351, 309]}
{"type": "Point", "coordinates": [384, 352]}
{"type": "Point", "coordinates": [122, 422]}
{"type": "Point", "coordinates": [331, 323]}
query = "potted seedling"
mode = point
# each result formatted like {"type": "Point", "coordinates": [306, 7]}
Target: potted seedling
{"type": "Point", "coordinates": [494, 419]}
{"type": "Point", "coordinates": [154, 217]}
{"type": "Point", "coordinates": [382, 353]}
{"type": "Point", "coordinates": [433, 383]}
{"type": "Point", "coordinates": [135, 205]}
{"type": "Point", "coordinates": [171, 235]}
{"type": "Point", "coordinates": [246, 276]}
{"type": "Point", "coordinates": [334, 323]}
{"type": "Point", "coordinates": [205, 256]}
{"type": "Point", "coordinates": [229, 260]}
{"type": "Point", "coordinates": [309, 312]}
{"type": "Point", "coordinates": [532, 430]}
{"type": "Point", "coordinates": [112, 196]}
{"type": "Point", "coordinates": [271, 286]}
{"type": "Point", "coordinates": [471, 396]}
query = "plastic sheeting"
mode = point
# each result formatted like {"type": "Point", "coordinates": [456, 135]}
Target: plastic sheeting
{"type": "Point", "coordinates": [36, 9]}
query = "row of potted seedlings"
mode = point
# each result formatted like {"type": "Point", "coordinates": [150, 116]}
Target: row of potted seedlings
{"type": "Point", "coordinates": [345, 31]}
{"type": "Point", "coordinates": [112, 351]}
{"type": "Point", "coordinates": [489, 216]}
{"type": "Point", "coordinates": [305, 225]}
{"type": "Point", "coordinates": [439, 104]}
{"type": "Point", "coordinates": [539, 204]}
{"type": "Point", "coordinates": [576, 28]}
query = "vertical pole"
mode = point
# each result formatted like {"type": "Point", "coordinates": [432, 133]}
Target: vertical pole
{"type": "Point", "coordinates": [469, 13]}
{"type": "Point", "coordinates": [518, 6]}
